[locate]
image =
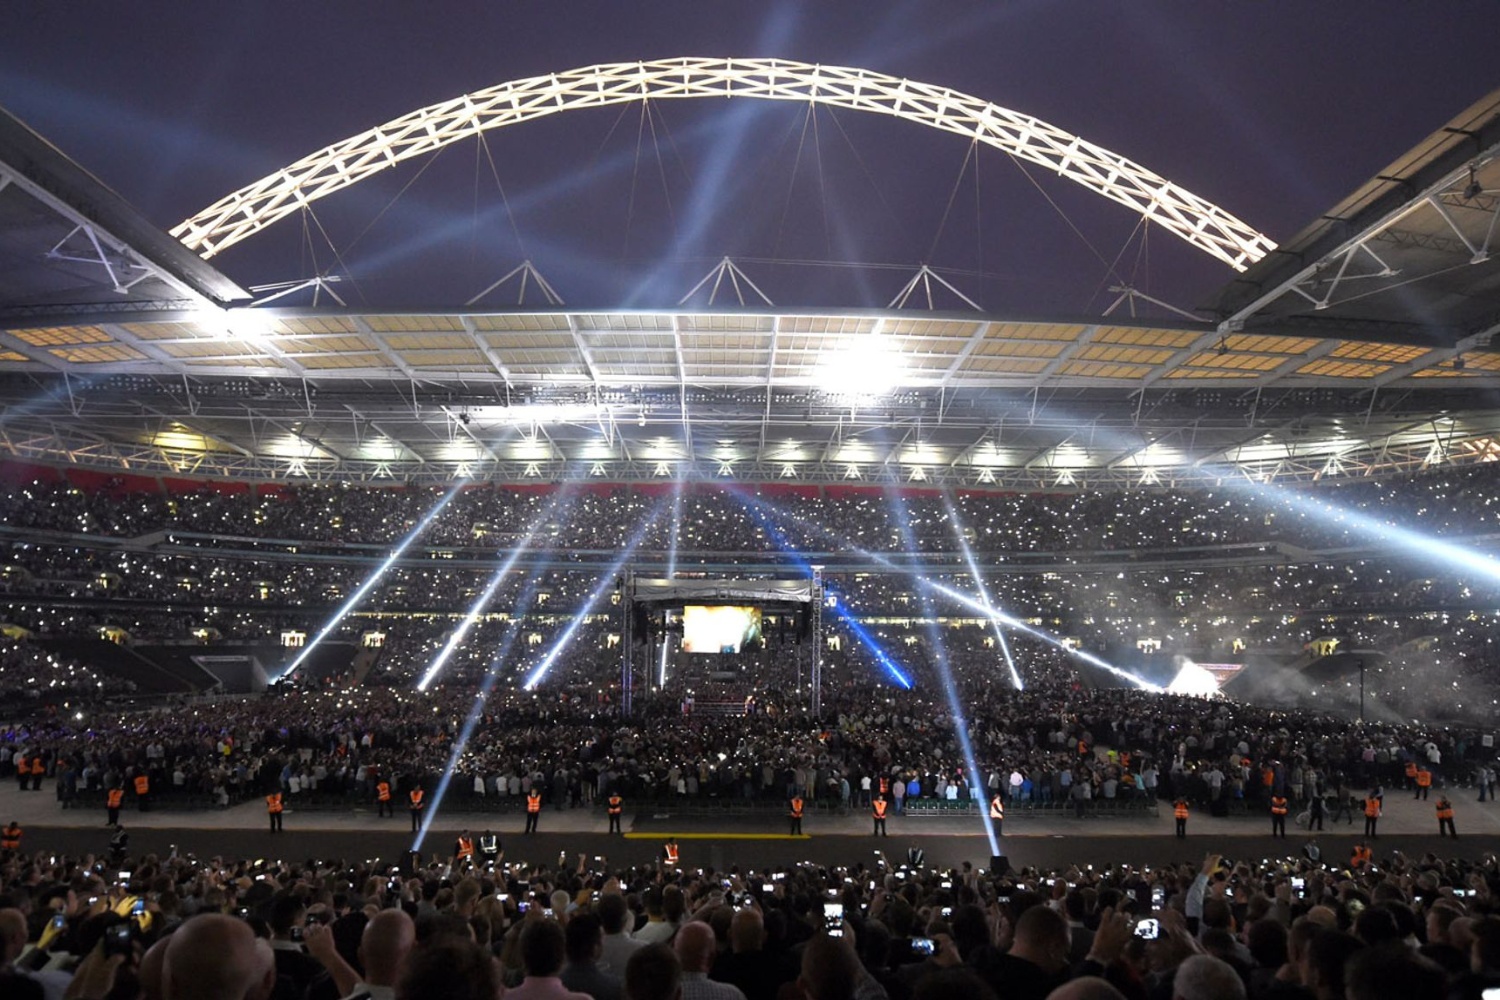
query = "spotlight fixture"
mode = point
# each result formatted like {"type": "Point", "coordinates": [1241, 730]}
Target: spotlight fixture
{"type": "Point", "coordinates": [1473, 190]}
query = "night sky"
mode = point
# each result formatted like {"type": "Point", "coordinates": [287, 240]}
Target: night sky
{"type": "Point", "coordinates": [1272, 111]}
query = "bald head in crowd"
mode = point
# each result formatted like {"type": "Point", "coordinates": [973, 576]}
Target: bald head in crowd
{"type": "Point", "coordinates": [747, 931]}
{"type": "Point", "coordinates": [387, 940]}
{"type": "Point", "coordinates": [1086, 988]}
{"type": "Point", "coordinates": [12, 935]}
{"type": "Point", "coordinates": [1203, 977]}
{"type": "Point", "coordinates": [1042, 937]}
{"type": "Point", "coordinates": [217, 957]}
{"type": "Point", "coordinates": [695, 946]}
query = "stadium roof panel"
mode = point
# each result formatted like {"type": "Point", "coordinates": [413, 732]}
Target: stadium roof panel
{"type": "Point", "coordinates": [1411, 256]}
{"type": "Point", "coordinates": [153, 374]}
{"type": "Point", "coordinates": [614, 349]}
{"type": "Point", "coordinates": [67, 240]}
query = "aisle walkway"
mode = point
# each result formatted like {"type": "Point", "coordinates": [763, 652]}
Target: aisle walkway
{"type": "Point", "coordinates": [1403, 816]}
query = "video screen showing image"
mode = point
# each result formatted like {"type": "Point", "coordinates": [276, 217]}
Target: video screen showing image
{"type": "Point", "coordinates": [719, 628]}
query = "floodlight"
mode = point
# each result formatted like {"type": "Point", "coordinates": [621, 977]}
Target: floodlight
{"type": "Point", "coordinates": [868, 365]}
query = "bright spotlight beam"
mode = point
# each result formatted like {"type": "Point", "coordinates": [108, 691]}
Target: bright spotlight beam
{"type": "Point", "coordinates": [868, 641]}
{"type": "Point", "coordinates": [676, 524]}
{"type": "Point", "coordinates": [1414, 543]}
{"type": "Point", "coordinates": [605, 581]}
{"type": "Point", "coordinates": [985, 609]}
{"type": "Point", "coordinates": [471, 617]}
{"type": "Point", "coordinates": [373, 579]}
{"type": "Point", "coordinates": [476, 711]}
{"type": "Point", "coordinates": [963, 545]}
{"type": "Point", "coordinates": [475, 609]}
{"type": "Point", "coordinates": [846, 545]}
{"type": "Point", "coordinates": [858, 630]}
{"type": "Point", "coordinates": [945, 672]}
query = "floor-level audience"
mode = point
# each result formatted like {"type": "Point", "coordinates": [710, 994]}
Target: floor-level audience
{"type": "Point", "coordinates": [178, 927]}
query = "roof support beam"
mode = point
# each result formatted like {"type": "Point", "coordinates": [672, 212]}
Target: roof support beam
{"type": "Point", "coordinates": [583, 350]}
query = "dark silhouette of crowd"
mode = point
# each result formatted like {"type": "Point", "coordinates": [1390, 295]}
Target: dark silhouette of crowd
{"type": "Point", "coordinates": [1288, 927]}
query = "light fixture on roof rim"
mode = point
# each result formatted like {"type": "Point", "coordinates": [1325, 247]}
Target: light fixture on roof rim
{"type": "Point", "coordinates": [864, 365]}
{"type": "Point", "coordinates": [1473, 189]}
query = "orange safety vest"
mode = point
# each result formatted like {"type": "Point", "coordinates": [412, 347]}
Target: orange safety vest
{"type": "Point", "coordinates": [383, 791]}
{"type": "Point", "coordinates": [1360, 857]}
{"type": "Point", "coordinates": [115, 798]}
{"type": "Point", "coordinates": [1278, 805]}
{"type": "Point", "coordinates": [465, 848]}
{"type": "Point", "coordinates": [885, 787]}
{"type": "Point", "coordinates": [1444, 809]}
{"type": "Point", "coordinates": [1083, 748]}
{"type": "Point", "coordinates": [142, 784]}
{"type": "Point", "coordinates": [880, 808]}
{"type": "Point", "coordinates": [22, 766]}
{"type": "Point", "coordinates": [797, 807]}
{"type": "Point", "coordinates": [671, 852]}
{"type": "Point", "coordinates": [37, 767]}
{"type": "Point", "coordinates": [1424, 778]}
{"type": "Point", "coordinates": [615, 805]}
{"type": "Point", "coordinates": [416, 798]}
{"type": "Point", "coordinates": [997, 808]}
{"type": "Point", "coordinates": [1411, 769]}
{"type": "Point", "coordinates": [273, 803]}
{"type": "Point", "coordinates": [10, 838]}
{"type": "Point", "coordinates": [1180, 809]}
{"type": "Point", "coordinates": [1372, 808]}
{"type": "Point", "coordinates": [534, 801]}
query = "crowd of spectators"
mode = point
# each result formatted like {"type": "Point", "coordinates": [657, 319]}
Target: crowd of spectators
{"type": "Point", "coordinates": [1110, 570]}
{"type": "Point", "coordinates": [1283, 928]}
{"type": "Point", "coordinates": [747, 733]}
{"type": "Point", "coordinates": [1459, 502]}
{"type": "Point", "coordinates": [1057, 744]}
{"type": "Point", "coordinates": [1182, 570]}
{"type": "Point", "coordinates": [31, 677]}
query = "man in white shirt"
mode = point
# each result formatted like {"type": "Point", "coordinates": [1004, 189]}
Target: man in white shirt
{"type": "Point", "coordinates": [618, 944]}
{"type": "Point", "coordinates": [664, 910]}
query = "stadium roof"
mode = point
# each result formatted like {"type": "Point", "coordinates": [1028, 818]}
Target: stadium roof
{"type": "Point", "coordinates": [1409, 257]}
{"type": "Point", "coordinates": [1360, 346]}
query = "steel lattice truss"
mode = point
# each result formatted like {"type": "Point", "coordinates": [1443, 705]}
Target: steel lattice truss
{"type": "Point", "coordinates": [257, 205]}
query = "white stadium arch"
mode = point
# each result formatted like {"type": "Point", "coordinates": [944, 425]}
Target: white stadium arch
{"type": "Point", "coordinates": [257, 205]}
